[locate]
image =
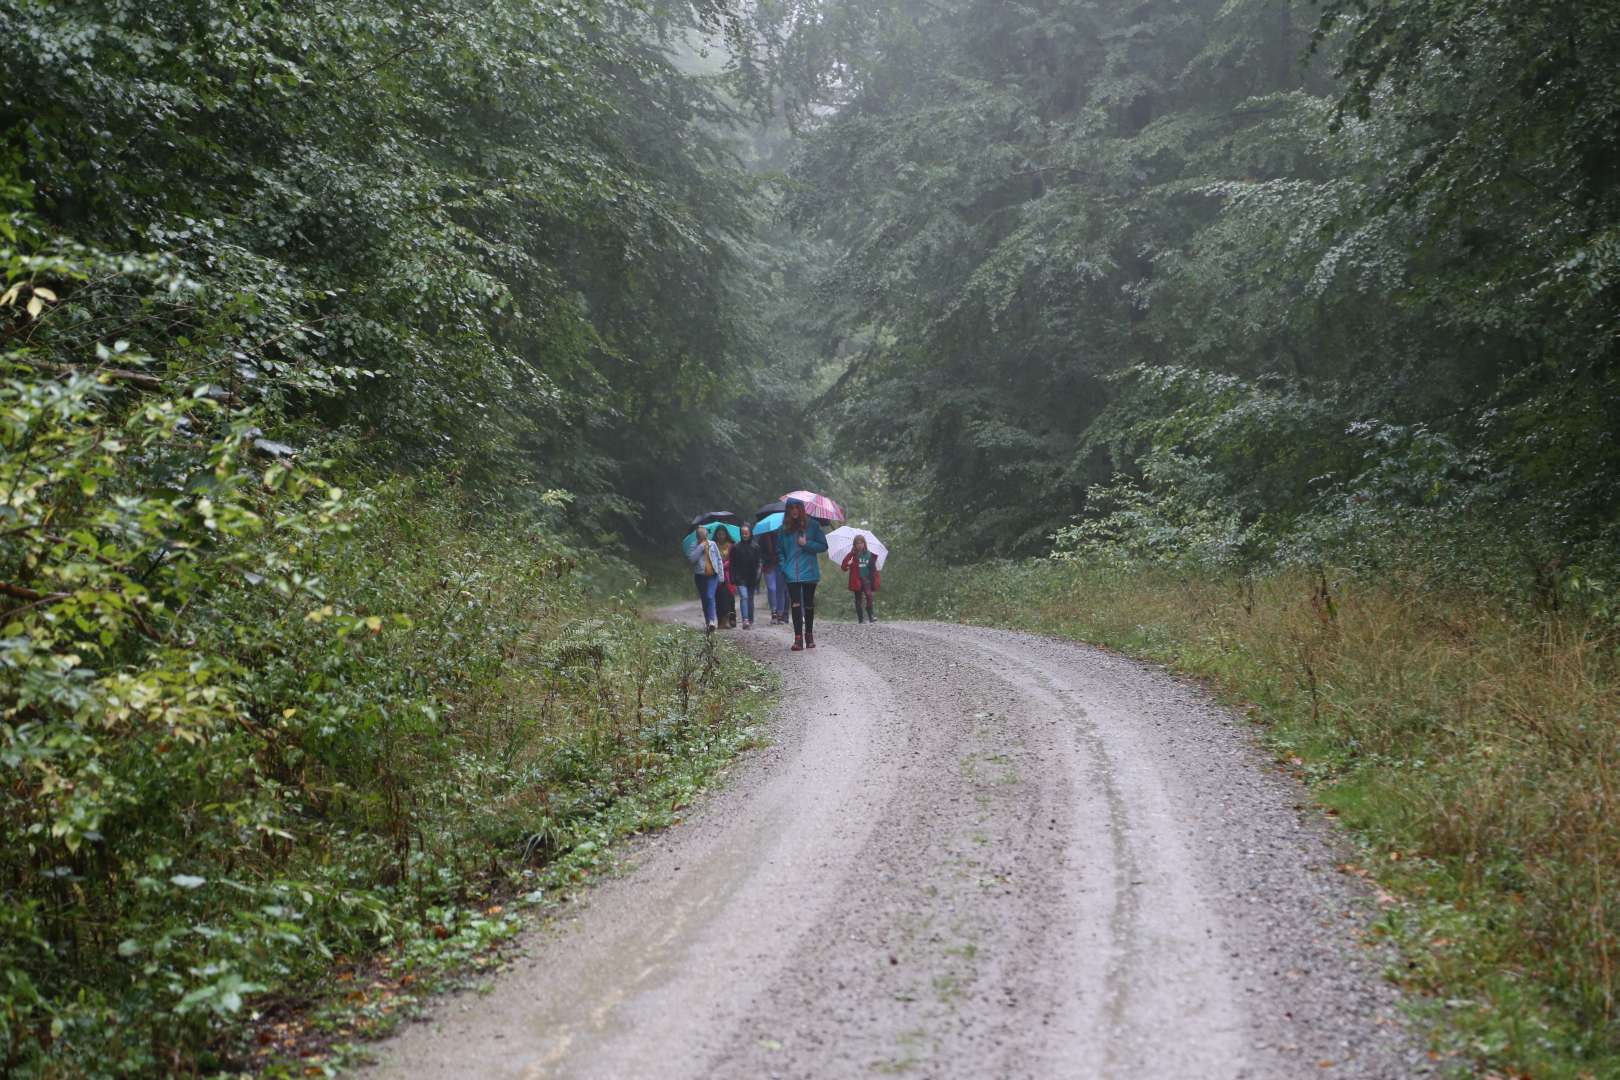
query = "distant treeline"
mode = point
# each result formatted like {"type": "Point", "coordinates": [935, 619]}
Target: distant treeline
{"type": "Point", "coordinates": [1245, 279]}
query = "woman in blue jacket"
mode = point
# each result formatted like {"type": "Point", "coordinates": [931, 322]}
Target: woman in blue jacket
{"type": "Point", "coordinates": [799, 544]}
{"type": "Point", "coordinates": [707, 569]}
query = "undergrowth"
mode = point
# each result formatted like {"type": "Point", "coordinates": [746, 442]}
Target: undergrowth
{"type": "Point", "coordinates": [354, 752]}
{"type": "Point", "coordinates": [1473, 750]}
{"type": "Point", "coordinates": [665, 578]}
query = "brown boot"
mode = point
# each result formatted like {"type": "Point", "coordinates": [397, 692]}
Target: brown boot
{"type": "Point", "coordinates": [809, 641]}
{"type": "Point", "coordinates": [798, 643]}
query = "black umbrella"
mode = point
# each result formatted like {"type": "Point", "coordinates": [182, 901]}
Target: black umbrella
{"type": "Point", "coordinates": [777, 507]}
{"type": "Point", "coordinates": [712, 515]}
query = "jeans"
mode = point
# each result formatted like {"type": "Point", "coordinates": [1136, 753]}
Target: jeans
{"type": "Point", "coordinates": [781, 592]}
{"type": "Point", "coordinates": [706, 584]}
{"type": "Point", "coordinates": [745, 603]}
{"type": "Point", "coordinates": [803, 596]}
{"type": "Point", "coordinates": [773, 589]}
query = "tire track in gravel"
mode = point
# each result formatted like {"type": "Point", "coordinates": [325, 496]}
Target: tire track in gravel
{"type": "Point", "coordinates": [968, 853]}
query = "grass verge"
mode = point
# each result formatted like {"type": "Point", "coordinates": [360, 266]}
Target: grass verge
{"type": "Point", "coordinates": [466, 943]}
{"type": "Point", "coordinates": [1471, 749]}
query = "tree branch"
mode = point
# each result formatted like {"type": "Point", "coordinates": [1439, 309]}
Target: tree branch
{"type": "Point", "coordinates": [23, 592]}
{"type": "Point", "coordinates": [140, 379]}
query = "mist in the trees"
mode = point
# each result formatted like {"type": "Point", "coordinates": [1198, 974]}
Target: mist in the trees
{"type": "Point", "coordinates": [1342, 276]}
{"type": "Point", "coordinates": [346, 346]}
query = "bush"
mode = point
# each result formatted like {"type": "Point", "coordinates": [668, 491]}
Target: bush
{"type": "Point", "coordinates": [251, 724]}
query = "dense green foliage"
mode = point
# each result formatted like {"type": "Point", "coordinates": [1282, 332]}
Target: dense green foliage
{"type": "Point", "coordinates": [355, 722]}
{"type": "Point", "coordinates": [513, 242]}
{"type": "Point", "coordinates": [255, 254]}
{"type": "Point", "coordinates": [1333, 299]}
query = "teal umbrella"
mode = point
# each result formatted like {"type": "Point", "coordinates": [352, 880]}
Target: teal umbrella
{"type": "Point", "coordinates": [689, 542]}
{"type": "Point", "coordinates": [768, 523]}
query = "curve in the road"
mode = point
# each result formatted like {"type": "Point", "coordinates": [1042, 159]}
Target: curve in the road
{"type": "Point", "coordinates": [969, 853]}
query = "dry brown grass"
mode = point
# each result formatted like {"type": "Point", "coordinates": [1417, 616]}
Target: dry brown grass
{"type": "Point", "coordinates": [1473, 746]}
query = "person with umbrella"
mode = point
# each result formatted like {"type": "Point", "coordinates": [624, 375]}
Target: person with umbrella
{"type": "Point", "coordinates": [799, 542]}
{"type": "Point", "coordinates": [862, 554]}
{"type": "Point", "coordinates": [743, 566]}
{"type": "Point", "coordinates": [706, 566]}
{"type": "Point", "coordinates": [766, 522]}
{"type": "Point", "coordinates": [864, 577]}
{"type": "Point", "coordinates": [725, 595]}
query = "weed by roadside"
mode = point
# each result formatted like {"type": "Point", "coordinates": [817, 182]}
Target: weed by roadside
{"type": "Point", "coordinates": [1472, 749]}
{"type": "Point", "coordinates": [722, 698]}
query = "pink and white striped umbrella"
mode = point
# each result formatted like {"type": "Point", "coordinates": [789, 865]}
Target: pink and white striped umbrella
{"type": "Point", "coordinates": [817, 506]}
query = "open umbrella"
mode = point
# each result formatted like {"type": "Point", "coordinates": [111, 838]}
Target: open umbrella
{"type": "Point", "coordinates": [770, 508]}
{"type": "Point", "coordinates": [768, 524]}
{"type": "Point", "coordinates": [712, 515]}
{"type": "Point", "coordinates": [689, 541]}
{"type": "Point", "coordinates": [841, 542]}
{"type": "Point", "coordinates": [817, 506]}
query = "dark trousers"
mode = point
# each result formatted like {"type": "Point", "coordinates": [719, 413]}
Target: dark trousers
{"type": "Point", "coordinates": [863, 599]}
{"type": "Point", "coordinates": [802, 596]}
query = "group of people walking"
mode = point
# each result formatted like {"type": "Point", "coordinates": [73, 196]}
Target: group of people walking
{"type": "Point", "coordinates": [786, 562]}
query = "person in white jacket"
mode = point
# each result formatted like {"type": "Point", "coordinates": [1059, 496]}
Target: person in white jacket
{"type": "Point", "coordinates": [706, 568]}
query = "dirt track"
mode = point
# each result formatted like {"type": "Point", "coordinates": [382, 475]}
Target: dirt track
{"type": "Point", "coordinates": [969, 853]}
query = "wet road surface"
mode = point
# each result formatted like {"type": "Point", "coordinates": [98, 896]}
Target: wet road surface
{"type": "Point", "coordinates": [967, 853]}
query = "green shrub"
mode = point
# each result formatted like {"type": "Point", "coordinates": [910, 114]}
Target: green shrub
{"type": "Point", "coordinates": [250, 724]}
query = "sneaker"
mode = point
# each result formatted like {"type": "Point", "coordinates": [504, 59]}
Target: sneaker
{"type": "Point", "coordinates": [798, 643]}
{"type": "Point", "coordinates": [708, 628]}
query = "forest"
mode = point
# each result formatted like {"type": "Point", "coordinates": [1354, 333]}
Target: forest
{"type": "Point", "coordinates": [351, 354]}
{"type": "Point", "coordinates": [1258, 282]}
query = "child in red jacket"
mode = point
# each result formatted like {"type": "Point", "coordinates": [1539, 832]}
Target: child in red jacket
{"type": "Point", "coordinates": [864, 578]}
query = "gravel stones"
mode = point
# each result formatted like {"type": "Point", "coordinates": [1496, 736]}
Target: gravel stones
{"type": "Point", "coordinates": [968, 853]}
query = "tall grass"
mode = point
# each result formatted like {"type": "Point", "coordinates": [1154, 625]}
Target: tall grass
{"type": "Point", "coordinates": [1473, 748]}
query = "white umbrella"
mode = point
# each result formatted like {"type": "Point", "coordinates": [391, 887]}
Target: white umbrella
{"type": "Point", "coordinates": [841, 541]}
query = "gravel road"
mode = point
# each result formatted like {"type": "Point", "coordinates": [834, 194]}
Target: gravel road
{"type": "Point", "coordinates": [968, 853]}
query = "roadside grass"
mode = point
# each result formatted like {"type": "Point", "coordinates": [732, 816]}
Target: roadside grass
{"type": "Point", "coordinates": [697, 705]}
{"type": "Point", "coordinates": [1472, 750]}
{"type": "Point", "coordinates": [448, 721]}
